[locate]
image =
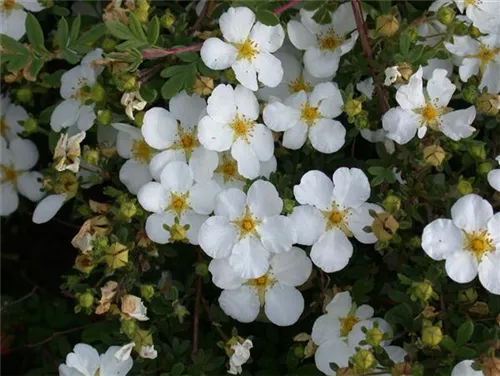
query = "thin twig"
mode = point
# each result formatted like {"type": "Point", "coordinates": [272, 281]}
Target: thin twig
{"type": "Point", "coordinates": [152, 53]}
{"type": "Point", "coordinates": [290, 4]}
{"type": "Point", "coordinates": [196, 316]}
{"type": "Point", "coordinates": [365, 44]}
{"type": "Point", "coordinates": [8, 305]}
{"type": "Point", "coordinates": [199, 21]}
{"type": "Point", "coordinates": [214, 324]}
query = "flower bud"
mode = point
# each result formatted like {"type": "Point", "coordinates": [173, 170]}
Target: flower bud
{"type": "Point", "coordinates": [167, 20]}
{"type": "Point", "coordinates": [412, 33]}
{"type": "Point", "coordinates": [467, 296]}
{"type": "Point", "coordinates": [461, 28]}
{"type": "Point", "coordinates": [288, 205]}
{"type": "Point", "coordinates": [104, 117]}
{"type": "Point", "coordinates": [30, 125]}
{"type": "Point", "coordinates": [470, 93]}
{"type": "Point", "coordinates": [445, 15]}
{"type": "Point", "coordinates": [142, 14]}
{"type": "Point", "coordinates": [363, 361]}
{"type": "Point", "coordinates": [108, 45]}
{"type": "Point", "coordinates": [147, 291]}
{"type": "Point", "coordinates": [177, 232]}
{"type": "Point", "coordinates": [90, 156]}
{"type": "Point", "coordinates": [97, 93]}
{"type": "Point", "coordinates": [406, 71]}
{"type": "Point", "coordinates": [464, 187]}
{"type": "Point", "coordinates": [387, 25]}
{"type": "Point", "coordinates": [415, 242]}
{"type": "Point", "coordinates": [180, 311]}
{"type": "Point", "coordinates": [201, 269]}
{"type": "Point", "coordinates": [298, 352]}
{"type": "Point", "coordinates": [423, 291]}
{"type": "Point", "coordinates": [66, 183]}
{"type": "Point", "coordinates": [128, 210]}
{"type": "Point", "coordinates": [129, 83]}
{"type": "Point", "coordinates": [392, 204]}
{"type": "Point", "coordinates": [488, 104]}
{"type": "Point", "coordinates": [84, 263]}
{"type": "Point", "coordinates": [374, 336]}
{"type": "Point", "coordinates": [203, 86]}
{"type": "Point", "coordinates": [139, 118]}
{"type": "Point", "coordinates": [86, 300]}
{"type": "Point", "coordinates": [128, 327]}
{"type": "Point", "coordinates": [116, 256]}
{"type": "Point", "coordinates": [24, 95]}
{"type": "Point", "coordinates": [484, 168]}
{"type": "Point", "coordinates": [434, 155]}
{"type": "Point", "coordinates": [353, 107]}
{"type": "Point", "coordinates": [478, 151]}
{"type": "Point", "coordinates": [474, 31]}
{"type": "Point", "coordinates": [432, 335]}
{"type": "Point", "coordinates": [384, 226]}
{"type": "Point", "coordinates": [361, 121]}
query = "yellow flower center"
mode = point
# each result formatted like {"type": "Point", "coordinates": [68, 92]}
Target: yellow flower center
{"type": "Point", "coordinates": [227, 168]}
{"type": "Point", "coordinates": [8, 4]}
{"type": "Point", "coordinates": [309, 114]}
{"type": "Point", "coordinates": [260, 282]}
{"type": "Point", "coordinates": [478, 243]}
{"type": "Point", "coordinates": [469, 3]}
{"type": "Point", "coordinates": [347, 323]}
{"type": "Point", "coordinates": [242, 127]}
{"type": "Point", "coordinates": [486, 55]}
{"type": "Point", "coordinates": [177, 232]}
{"type": "Point", "coordinates": [247, 224]}
{"type": "Point", "coordinates": [3, 126]}
{"type": "Point", "coordinates": [187, 141]}
{"type": "Point", "coordinates": [141, 151]}
{"type": "Point", "coordinates": [178, 202]}
{"type": "Point", "coordinates": [429, 113]}
{"type": "Point", "coordinates": [246, 50]}
{"type": "Point", "coordinates": [298, 85]}
{"type": "Point", "coordinates": [329, 40]}
{"type": "Point", "coordinates": [337, 218]}
{"type": "Point", "coordinates": [8, 174]}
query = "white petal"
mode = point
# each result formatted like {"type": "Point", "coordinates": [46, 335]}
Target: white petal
{"type": "Point", "coordinates": [112, 366]}
{"type": "Point", "coordinates": [48, 208]}
{"type": "Point", "coordinates": [65, 114]}
{"type": "Point", "coordinates": [24, 153]}
{"type": "Point", "coordinates": [291, 268]}
{"type": "Point", "coordinates": [328, 97]}
{"type": "Point", "coordinates": [236, 24]}
{"type": "Point", "coordinates": [187, 108]}
{"type": "Point", "coordinates": [277, 233]}
{"type": "Point", "coordinates": [440, 88]}
{"type": "Point", "coordinates": [461, 266]}
{"type": "Point", "coordinates": [321, 63]}
{"type": "Point", "coordinates": [263, 199]}
{"type": "Point", "coordinates": [248, 163]}
{"type": "Point", "coordinates": [332, 251]}
{"type": "Point", "coordinates": [153, 197]}
{"type": "Point", "coordinates": [64, 370]}
{"type": "Point", "coordinates": [177, 177]}
{"type": "Point", "coordinates": [464, 368]}
{"type": "Point", "coordinates": [217, 237]}
{"type": "Point", "coordinates": [315, 189]}
{"type": "Point", "coordinates": [13, 116]}
{"type": "Point", "coordinates": [364, 312]}
{"type": "Point", "coordinates": [401, 125]}
{"type": "Point", "coordinates": [230, 203]}
{"type": "Point", "coordinates": [268, 167]}
{"type": "Point", "coordinates": [280, 117]}
{"type": "Point", "coordinates": [9, 200]}
{"type": "Point", "coordinates": [221, 104]}
{"type": "Point", "coordinates": [134, 175]}
{"type": "Point", "coordinates": [489, 272]}
{"type": "Point", "coordinates": [30, 185]}
{"type": "Point", "coordinates": [471, 213]}
{"type": "Point", "coordinates": [491, 77]}
{"type": "Point", "coordinates": [335, 351]}
{"type": "Point", "coordinates": [284, 304]}
{"type": "Point", "coordinates": [457, 124]}
{"type": "Point", "coordinates": [249, 258]}
{"type": "Point", "coordinates": [223, 276]}
{"type": "Point", "coordinates": [124, 142]}
{"type": "Point", "coordinates": [359, 219]}
{"type": "Point", "coordinates": [351, 187]}
{"type": "Point", "coordinates": [246, 102]}
{"type": "Point", "coordinates": [241, 304]}
{"type": "Point", "coordinates": [159, 128]}
{"type": "Point", "coordinates": [295, 137]}
{"type": "Point", "coordinates": [411, 96]}
{"type": "Point", "coordinates": [309, 224]}
{"type": "Point", "coordinates": [160, 160]}
{"type": "Point", "coordinates": [245, 74]}
{"type": "Point", "coordinates": [214, 135]}
{"type": "Point", "coordinates": [396, 354]}
{"type": "Point", "coordinates": [194, 221]}
{"type": "Point", "coordinates": [433, 64]}
{"type": "Point", "coordinates": [299, 35]}
{"type": "Point", "coordinates": [154, 227]}
{"type": "Point", "coordinates": [86, 117]}
{"type": "Point", "coordinates": [469, 68]}
{"type": "Point", "coordinates": [441, 238]}
{"type": "Point", "coordinates": [340, 305]}
{"type": "Point", "coordinates": [366, 87]}
{"type": "Point", "coordinates": [84, 358]}
{"type": "Point", "coordinates": [463, 46]}
{"type": "Point", "coordinates": [494, 230]}
{"type": "Point", "coordinates": [13, 25]}
{"type": "Point", "coordinates": [202, 196]}
{"type": "Point", "coordinates": [262, 142]}
{"type": "Point", "coordinates": [268, 38]}
{"type": "Point", "coordinates": [269, 69]}
{"type": "Point", "coordinates": [203, 162]}
{"type": "Point", "coordinates": [327, 135]}
{"type": "Point", "coordinates": [217, 55]}
{"type": "Point", "coordinates": [325, 328]}
{"type": "Point", "coordinates": [343, 19]}
{"type": "Point", "coordinates": [297, 100]}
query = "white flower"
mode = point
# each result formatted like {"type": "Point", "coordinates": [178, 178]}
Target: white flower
{"type": "Point", "coordinates": [67, 152]}
{"type": "Point", "coordinates": [469, 242]}
{"type": "Point", "coordinates": [295, 78]}
{"type": "Point", "coordinates": [131, 145]}
{"type": "Point", "coordinates": [241, 354]}
{"type": "Point", "coordinates": [335, 351]}
{"type": "Point", "coordinates": [15, 175]}
{"type": "Point", "coordinates": [148, 352]}
{"type": "Point", "coordinates": [48, 208]}
{"type": "Point", "coordinates": [324, 44]}
{"type": "Point", "coordinates": [75, 90]}
{"type": "Point", "coordinates": [124, 352]}
{"type": "Point", "coordinates": [227, 176]}
{"type": "Point", "coordinates": [85, 361]}
{"type": "Point", "coordinates": [133, 101]}
{"type": "Point", "coordinates": [494, 177]}
{"type": "Point", "coordinates": [433, 64]}
{"type": "Point", "coordinates": [397, 175]}
{"type": "Point", "coordinates": [303, 116]}
{"type": "Point", "coordinates": [275, 290]}
{"type": "Point", "coordinates": [479, 56]}
{"type": "Point", "coordinates": [247, 228]}
{"type": "Point", "coordinates": [330, 213]}
{"type": "Point", "coordinates": [379, 135]}
{"type": "Point", "coordinates": [366, 87]}
{"type": "Point", "coordinates": [485, 14]}
{"type": "Point", "coordinates": [419, 109]}
{"type": "Point", "coordinates": [133, 308]}
{"type": "Point", "coordinates": [10, 116]}
{"type": "Point", "coordinates": [342, 314]}
{"type": "Point", "coordinates": [176, 202]}
{"type": "Point", "coordinates": [433, 31]}
{"type": "Point", "coordinates": [231, 124]}
{"type": "Point", "coordinates": [13, 16]}
{"type": "Point", "coordinates": [174, 132]}
{"type": "Point", "coordinates": [464, 368]}
{"type": "Point", "coordinates": [391, 75]}
{"type": "Point", "coordinates": [248, 49]}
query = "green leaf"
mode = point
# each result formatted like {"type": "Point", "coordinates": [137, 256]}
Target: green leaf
{"type": "Point", "coordinates": [119, 30]}
{"type": "Point", "coordinates": [400, 314]}
{"type": "Point", "coordinates": [16, 62]}
{"type": "Point", "coordinates": [267, 17]}
{"type": "Point", "coordinates": [153, 30]}
{"type": "Point", "coordinates": [172, 86]}
{"type": "Point", "coordinates": [322, 16]}
{"type": "Point", "coordinates": [148, 93]}
{"type": "Point", "coordinates": [377, 180]}
{"type": "Point", "coordinates": [70, 56]}
{"type": "Point", "coordinates": [312, 5]}
{"type": "Point", "coordinates": [35, 67]}
{"type": "Point", "coordinates": [448, 344]}
{"type": "Point", "coordinates": [466, 353]}
{"type": "Point", "coordinates": [190, 76]}
{"type": "Point", "coordinates": [172, 71]}
{"type": "Point", "coordinates": [136, 28]}
{"type": "Point", "coordinates": [75, 29]}
{"type": "Point", "coordinates": [93, 34]}
{"type": "Point", "coordinates": [377, 170]}
{"type": "Point", "coordinates": [177, 369]}
{"type": "Point", "coordinates": [10, 45]}
{"type": "Point", "coordinates": [34, 32]}
{"type": "Point", "coordinates": [60, 11]}
{"type": "Point", "coordinates": [465, 332]}
{"type": "Point", "coordinates": [188, 57]}
{"type": "Point", "coordinates": [62, 33]}
{"type": "Point", "coordinates": [404, 44]}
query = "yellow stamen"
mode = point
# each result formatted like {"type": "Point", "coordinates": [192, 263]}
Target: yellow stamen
{"type": "Point", "coordinates": [486, 55]}
{"type": "Point", "coordinates": [329, 40]}
{"type": "Point", "coordinates": [8, 174]}
{"type": "Point", "coordinates": [347, 323]}
{"type": "Point", "coordinates": [429, 113]}
{"type": "Point", "coordinates": [242, 127]}
{"type": "Point", "coordinates": [246, 50]}
{"type": "Point", "coordinates": [247, 224]}
{"type": "Point", "coordinates": [469, 2]}
{"type": "Point", "coordinates": [478, 243]}
{"type": "Point", "coordinates": [3, 126]}
{"type": "Point", "coordinates": [141, 151]}
{"type": "Point", "coordinates": [337, 218]}
{"type": "Point", "coordinates": [298, 85]}
{"type": "Point", "coordinates": [178, 202]}
{"type": "Point", "coordinates": [8, 4]}
{"type": "Point", "coordinates": [260, 282]}
{"type": "Point", "coordinates": [309, 114]}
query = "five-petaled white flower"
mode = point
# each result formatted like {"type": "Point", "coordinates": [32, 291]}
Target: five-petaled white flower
{"type": "Point", "coordinates": [241, 354]}
{"type": "Point", "coordinates": [13, 16]}
{"type": "Point", "coordinates": [231, 123]}
{"type": "Point", "coordinates": [303, 116]}
{"type": "Point", "coordinates": [10, 116]}
{"type": "Point", "coordinates": [330, 213]}
{"type": "Point", "coordinates": [484, 14]}
{"type": "Point", "coordinates": [174, 132]}
{"type": "Point", "coordinates": [275, 290]}
{"type": "Point", "coordinates": [85, 361]}
{"type": "Point", "coordinates": [324, 44]}
{"type": "Point", "coordinates": [478, 56]}
{"type": "Point", "coordinates": [248, 49]}
{"type": "Point", "coordinates": [16, 160]}
{"type": "Point", "coordinates": [131, 145]}
{"type": "Point", "coordinates": [76, 84]}
{"type": "Point", "coordinates": [419, 110]}
{"type": "Point", "coordinates": [177, 202]}
{"type": "Point", "coordinates": [494, 177]}
{"type": "Point", "coordinates": [469, 242]}
{"type": "Point", "coordinates": [247, 228]}
{"type": "Point", "coordinates": [464, 368]}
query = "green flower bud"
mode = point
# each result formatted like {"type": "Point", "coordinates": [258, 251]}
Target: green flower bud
{"type": "Point", "coordinates": [432, 336]}
{"type": "Point", "coordinates": [478, 151]}
{"type": "Point", "coordinates": [128, 327]}
{"type": "Point", "coordinates": [434, 155]}
{"type": "Point", "coordinates": [387, 25]}
{"type": "Point", "coordinates": [104, 117]}
{"type": "Point", "coordinates": [467, 296]}
{"type": "Point", "coordinates": [363, 361]}
{"type": "Point", "coordinates": [445, 15]}
{"type": "Point", "coordinates": [361, 121]}
{"type": "Point", "coordinates": [298, 352]}
{"type": "Point", "coordinates": [97, 94]}
{"type": "Point", "coordinates": [461, 28]}
{"type": "Point", "coordinates": [423, 291]}
{"type": "Point", "coordinates": [201, 269]}
{"type": "Point", "coordinates": [474, 31]}
{"type": "Point", "coordinates": [147, 292]}
{"type": "Point", "coordinates": [128, 209]}
{"type": "Point", "coordinates": [30, 125]}
{"type": "Point", "coordinates": [392, 204]}
{"type": "Point", "coordinates": [168, 19]}
{"type": "Point", "coordinates": [470, 94]}
{"type": "Point", "coordinates": [180, 311]}
{"type": "Point", "coordinates": [484, 168]}
{"type": "Point", "coordinates": [488, 104]}
{"type": "Point", "coordinates": [139, 118]}
{"type": "Point", "coordinates": [288, 205]}
{"type": "Point", "coordinates": [91, 156]}
{"type": "Point", "coordinates": [464, 187]}
{"type": "Point", "coordinates": [24, 95]}
{"type": "Point", "coordinates": [86, 300]}
{"type": "Point", "coordinates": [374, 336]}
{"type": "Point", "coordinates": [353, 107]}
{"type": "Point", "coordinates": [108, 45]}
{"type": "Point", "coordinates": [129, 83]}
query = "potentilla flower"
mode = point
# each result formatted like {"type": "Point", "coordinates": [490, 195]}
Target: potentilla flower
{"type": "Point", "coordinates": [67, 152]}
{"type": "Point", "coordinates": [324, 44]}
{"type": "Point", "coordinates": [302, 116]}
{"type": "Point", "coordinates": [130, 145]}
{"type": "Point", "coordinates": [485, 14]}
{"type": "Point", "coordinates": [247, 49]}
{"type": "Point", "coordinates": [13, 16]}
{"type": "Point", "coordinates": [332, 212]}
{"type": "Point", "coordinates": [15, 175]}
{"type": "Point", "coordinates": [419, 110]}
{"type": "Point", "coordinates": [433, 64]}
{"type": "Point", "coordinates": [133, 308]}
{"type": "Point", "coordinates": [494, 177]}
{"type": "Point", "coordinates": [174, 132]}
{"type": "Point", "coordinates": [241, 354]}
{"type": "Point", "coordinates": [132, 101]}
{"type": "Point", "coordinates": [273, 291]}
{"type": "Point", "coordinates": [10, 116]}
{"type": "Point", "coordinates": [469, 242]}
{"type": "Point", "coordinates": [85, 360]}
{"type": "Point", "coordinates": [231, 123]}
{"type": "Point", "coordinates": [342, 314]}
{"type": "Point", "coordinates": [247, 228]}
{"type": "Point", "coordinates": [76, 84]}
{"type": "Point", "coordinates": [481, 56]}
{"type": "Point", "coordinates": [177, 203]}
{"type": "Point", "coordinates": [464, 368]}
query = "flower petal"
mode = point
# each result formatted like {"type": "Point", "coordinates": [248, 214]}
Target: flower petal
{"type": "Point", "coordinates": [9, 199]}
{"type": "Point", "coordinates": [464, 368]}
{"type": "Point", "coordinates": [359, 219]}
{"type": "Point", "coordinates": [153, 197]}
{"type": "Point", "coordinates": [217, 237]}
{"type": "Point", "coordinates": [134, 175]}
{"type": "Point", "coordinates": [461, 266]}
{"type": "Point", "coordinates": [236, 23]}
{"type": "Point", "coordinates": [214, 135]}
{"type": "Point", "coordinates": [202, 196]}
{"type": "Point", "coordinates": [494, 179]}
{"type": "Point", "coordinates": [30, 185]}
{"type": "Point", "coordinates": [295, 137]}
{"type": "Point", "coordinates": [325, 328]}
{"type": "Point", "coordinates": [457, 124]}
{"type": "Point", "coordinates": [340, 305]}
{"type": "Point", "coordinates": [218, 55]}
{"type": "Point", "coordinates": [110, 365]}
{"type": "Point", "coordinates": [86, 117]}
{"type": "Point", "coordinates": [315, 189]}
{"type": "Point", "coordinates": [268, 38]}
{"type": "Point", "coordinates": [84, 358]}
{"type": "Point", "coordinates": [277, 233]}
{"type": "Point", "coordinates": [471, 213]}
{"type": "Point", "coordinates": [159, 128]}
{"type": "Point", "coordinates": [283, 304]}
{"type": "Point", "coordinates": [488, 272]}
{"type": "Point", "coordinates": [309, 224]}
{"type": "Point", "coordinates": [223, 276]}
{"type": "Point", "coordinates": [194, 221]}
{"type": "Point", "coordinates": [263, 199]}
{"type": "Point", "coordinates": [24, 154]}
{"type": "Point", "coordinates": [335, 351]}
{"type": "Point", "coordinates": [494, 230]}
{"type": "Point", "coordinates": [351, 187]}
{"type": "Point", "coordinates": [262, 142]}
{"type": "Point", "coordinates": [291, 268]}
{"type": "Point", "coordinates": [221, 104]}
{"type": "Point", "coordinates": [48, 208]}
{"type": "Point", "coordinates": [249, 258]}
{"type": "Point", "coordinates": [246, 102]}
{"type": "Point", "coordinates": [280, 117]}
{"type": "Point", "coordinates": [441, 238]}
{"type": "Point", "coordinates": [327, 135]}
{"type": "Point", "coordinates": [241, 304]}
{"type": "Point", "coordinates": [320, 63]}
{"type": "Point", "coordinates": [177, 177]}
{"type": "Point", "coordinates": [439, 88]}
{"type": "Point", "coordinates": [154, 227]}
{"type": "Point", "coordinates": [245, 73]}
{"type": "Point", "coordinates": [160, 160]}
{"type": "Point", "coordinates": [230, 203]}
{"type": "Point", "coordinates": [248, 163]}
{"type": "Point", "coordinates": [332, 251]}
{"type": "Point", "coordinates": [269, 69]}
{"type": "Point", "coordinates": [187, 108]}
{"type": "Point", "coordinates": [203, 162]}
{"type": "Point", "coordinates": [65, 114]}
{"type": "Point", "coordinates": [300, 37]}
{"type": "Point", "coordinates": [411, 95]}
{"type": "Point", "coordinates": [401, 125]}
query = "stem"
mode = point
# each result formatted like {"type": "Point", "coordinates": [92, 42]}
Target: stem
{"type": "Point", "coordinates": [8, 305]}
{"type": "Point", "coordinates": [289, 5]}
{"type": "Point", "coordinates": [201, 17]}
{"type": "Point", "coordinates": [196, 317]}
{"type": "Point", "coordinates": [223, 335]}
{"type": "Point", "coordinates": [152, 53]}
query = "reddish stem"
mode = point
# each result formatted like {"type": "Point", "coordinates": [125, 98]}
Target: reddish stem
{"type": "Point", "coordinates": [152, 53]}
{"type": "Point", "coordinates": [289, 5]}
{"type": "Point", "coordinates": [196, 317]}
